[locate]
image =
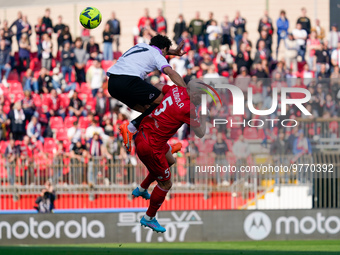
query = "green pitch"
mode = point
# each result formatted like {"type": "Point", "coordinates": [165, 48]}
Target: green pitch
{"type": "Point", "coordinates": [328, 247]}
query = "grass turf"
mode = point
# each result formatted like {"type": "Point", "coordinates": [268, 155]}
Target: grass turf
{"type": "Point", "coordinates": [318, 247]}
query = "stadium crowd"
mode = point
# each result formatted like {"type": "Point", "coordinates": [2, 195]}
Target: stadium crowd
{"type": "Point", "coordinates": [58, 105]}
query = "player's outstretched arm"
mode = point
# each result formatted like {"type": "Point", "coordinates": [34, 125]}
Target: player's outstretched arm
{"type": "Point", "coordinates": [178, 51]}
{"type": "Point", "coordinates": [174, 76]}
{"type": "Point", "coordinates": [200, 131]}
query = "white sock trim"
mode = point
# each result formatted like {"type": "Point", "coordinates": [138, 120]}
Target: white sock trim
{"type": "Point", "coordinates": [141, 189]}
{"type": "Point", "coordinates": [132, 128]}
{"type": "Point", "coordinates": [148, 218]}
{"type": "Point", "coordinates": [165, 190]}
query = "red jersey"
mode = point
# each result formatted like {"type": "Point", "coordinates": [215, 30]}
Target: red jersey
{"type": "Point", "coordinates": [175, 110]}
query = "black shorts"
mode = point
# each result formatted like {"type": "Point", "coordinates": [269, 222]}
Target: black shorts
{"type": "Point", "coordinates": [132, 90]}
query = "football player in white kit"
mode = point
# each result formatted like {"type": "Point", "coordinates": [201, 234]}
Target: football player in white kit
{"type": "Point", "coordinates": [126, 79]}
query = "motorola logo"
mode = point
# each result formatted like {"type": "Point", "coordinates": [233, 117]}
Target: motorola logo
{"type": "Point", "coordinates": [257, 225]}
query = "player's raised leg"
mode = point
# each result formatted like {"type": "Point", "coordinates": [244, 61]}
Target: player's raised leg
{"type": "Point", "coordinates": [157, 198]}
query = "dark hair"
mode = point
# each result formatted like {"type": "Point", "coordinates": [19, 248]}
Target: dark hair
{"type": "Point", "coordinates": [161, 42]}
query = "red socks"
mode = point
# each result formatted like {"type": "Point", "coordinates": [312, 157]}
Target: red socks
{"type": "Point", "coordinates": [157, 198]}
{"type": "Point", "coordinates": [147, 181]}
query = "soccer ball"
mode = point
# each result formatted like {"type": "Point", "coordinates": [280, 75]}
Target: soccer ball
{"type": "Point", "coordinates": [90, 17]}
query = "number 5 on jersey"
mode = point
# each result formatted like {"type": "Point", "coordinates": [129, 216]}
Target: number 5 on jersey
{"type": "Point", "coordinates": [166, 101]}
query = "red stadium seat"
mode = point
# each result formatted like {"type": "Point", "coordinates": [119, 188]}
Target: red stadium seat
{"type": "Point", "coordinates": [85, 88]}
{"type": "Point", "coordinates": [106, 64]}
{"type": "Point", "coordinates": [35, 64]}
{"type": "Point", "coordinates": [61, 134]}
{"type": "Point", "coordinates": [13, 76]}
{"type": "Point", "coordinates": [15, 87]}
{"type": "Point", "coordinates": [117, 54]}
{"type": "Point", "coordinates": [67, 144]}
{"type": "Point", "coordinates": [50, 145]}
{"type": "Point", "coordinates": [3, 146]}
{"type": "Point", "coordinates": [37, 100]}
{"type": "Point", "coordinates": [56, 122]}
{"type": "Point", "coordinates": [69, 120]}
{"type": "Point", "coordinates": [250, 133]}
{"type": "Point", "coordinates": [65, 100]}
{"type": "Point", "coordinates": [84, 122]}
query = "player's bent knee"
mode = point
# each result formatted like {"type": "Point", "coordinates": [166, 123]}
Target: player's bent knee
{"type": "Point", "coordinates": [165, 185]}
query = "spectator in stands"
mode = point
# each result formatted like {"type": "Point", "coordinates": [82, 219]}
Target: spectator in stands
{"type": "Point", "coordinates": [34, 130]}
{"type": "Point", "coordinates": [24, 53]}
{"type": "Point", "coordinates": [59, 27]}
{"type": "Point", "coordinates": [80, 60]}
{"type": "Point", "coordinates": [108, 39]}
{"type": "Point", "coordinates": [214, 35]}
{"type": "Point", "coordinates": [208, 23]}
{"type": "Point", "coordinates": [92, 49]}
{"type": "Point", "coordinates": [115, 29]}
{"type": "Point", "coordinates": [301, 146]}
{"type": "Point", "coordinates": [312, 43]}
{"type": "Point", "coordinates": [67, 58]}
{"type": "Point", "coordinates": [243, 58]}
{"type": "Point", "coordinates": [300, 35]}
{"type": "Point", "coordinates": [178, 64]}
{"type": "Point", "coordinates": [246, 41]}
{"type": "Point", "coordinates": [92, 129]}
{"type": "Point", "coordinates": [102, 104]}
{"type": "Point", "coordinates": [64, 37]}
{"type": "Point", "coordinates": [320, 31]}
{"type": "Point", "coordinates": [3, 120]}
{"type": "Point", "coordinates": [335, 57]}
{"type": "Point", "coordinates": [76, 107]}
{"type": "Point", "coordinates": [330, 106]}
{"type": "Point", "coordinates": [74, 133]}
{"type": "Point", "coordinates": [145, 37]}
{"type": "Point", "coordinates": [264, 24]}
{"type": "Point", "coordinates": [56, 108]}
{"type": "Point", "coordinates": [96, 150]}
{"type": "Point", "coordinates": [188, 42]}
{"type": "Point", "coordinates": [40, 29]}
{"type": "Point", "coordinates": [321, 57]}
{"type": "Point", "coordinates": [222, 66]}
{"type": "Point", "coordinates": [291, 53]}
{"type": "Point", "coordinates": [239, 25]}
{"type": "Point", "coordinates": [243, 79]}
{"type": "Point", "coordinates": [45, 202]}
{"type": "Point", "coordinates": [219, 153]}
{"type": "Point", "coordinates": [7, 34]}
{"type": "Point", "coordinates": [262, 52]}
{"type": "Point", "coordinates": [241, 151]}
{"type": "Point", "coordinates": [17, 121]}
{"type": "Point", "coordinates": [211, 73]}
{"type": "Point", "coordinates": [206, 63]}
{"type": "Point", "coordinates": [58, 162]}
{"type": "Point", "coordinates": [160, 22]}
{"type": "Point", "coordinates": [18, 25]}
{"type": "Point", "coordinates": [179, 28]}
{"type": "Point", "coordinates": [27, 29]}
{"type": "Point", "coordinates": [47, 21]}
{"type": "Point", "coordinates": [333, 38]}
{"type": "Point", "coordinates": [226, 26]}
{"type": "Point", "coordinates": [12, 153]}
{"type": "Point", "coordinates": [45, 83]}
{"type": "Point", "coordinates": [323, 75]}
{"type": "Point", "coordinates": [4, 62]}
{"type": "Point", "coordinates": [196, 28]}
{"type": "Point", "coordinates": [282, 25]}
{"type": "Point", "coordinates": [77, 155]}
{"type": "Point", "coordinates": [142, 20]}
{"type": "Point", "coordinates": [304, 21]}
{"type": "Point", "coordinates": [266, 39]}
{"type": "Point", "coordinates": [46, 55]}
{"type": "Point", "coordinates": [95, 76]}
{"type": "Point", "coordinates": [28, 105]}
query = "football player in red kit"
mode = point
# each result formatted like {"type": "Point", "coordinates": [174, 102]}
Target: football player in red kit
{"type": "Point", "coordinates": [152, 148]}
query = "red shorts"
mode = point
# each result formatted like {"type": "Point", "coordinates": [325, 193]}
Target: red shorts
{"type": "Point", "coordinates": [153, 159]}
